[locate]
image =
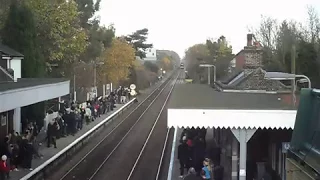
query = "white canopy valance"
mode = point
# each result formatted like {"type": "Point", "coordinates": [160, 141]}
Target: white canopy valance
{"type": "Point", "coordinates": [249, 119]}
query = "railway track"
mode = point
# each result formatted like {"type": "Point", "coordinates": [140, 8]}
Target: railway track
{"type": "Point", "coordinates": [120, 153]}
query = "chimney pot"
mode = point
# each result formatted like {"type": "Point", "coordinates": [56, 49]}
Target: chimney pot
{"type": "Point", "coordinates": [249, 39]}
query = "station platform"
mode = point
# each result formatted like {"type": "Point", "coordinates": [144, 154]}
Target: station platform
{"type": "Point", "coordinates": [175, 169]}
{"type": "Point", "coordinates": [47, 153]}
{"type": "Point", "coordinates": [64, 142]}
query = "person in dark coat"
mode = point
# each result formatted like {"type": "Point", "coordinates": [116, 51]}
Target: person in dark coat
{"type": "Point", "coordinates": [61, 123]}
{"type": "Point", "coordinates": [5, 147]}
{"type": "Point", "coordinates": [218, 172]}
{"type": "Point", "coordinates": [28, 153]}
{"type": "Point", "coordinates": [73, 122]}
{"type": "Point", "coordinates": [183, 156]}
{"type": "Point", "coordinates": [198, 153]}
{"type": "Point", "coordinates": [184, 133]}
{"type": "Point", "coordinates": [53, 128]}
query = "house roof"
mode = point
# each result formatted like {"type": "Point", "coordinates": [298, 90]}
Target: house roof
{"type": "Point", "coordinates": [252, 79]}
{"type": "Point", "coordinates": [28, 82]}
{"type": "Point", "coordinates": [198, 96]}
{"type": "Point", "coordinates": [9, 52]}
{"type": "Point", "coordinates": [229, 77]}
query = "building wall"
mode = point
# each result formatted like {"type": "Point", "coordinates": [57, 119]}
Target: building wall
{"type": "Point", "coordinates": [6, 123]}
{"type": "Point", "coordinates": [151, 55]}
{"type": "Point", "coordinates": [253, 57]}
{"type": "Point", "coordinates": [287, 98]}
{"type": "Point", "coordinates": [240, 60]}
{"type": "Point", "coordinates": [3, 63]}
{"type": "Point", "coordinates": [249, 57]}
{"type": "Point", "coordinates": [265, 148]}
{"type": "Point", "coordinates": [3, 124]}
{"type": "Point", "coordinates": [15, 64]}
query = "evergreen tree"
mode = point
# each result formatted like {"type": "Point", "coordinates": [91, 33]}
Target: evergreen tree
{"type": "Point", "coordinates": [19, 33]}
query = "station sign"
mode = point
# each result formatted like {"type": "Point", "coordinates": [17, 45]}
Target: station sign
{"type": "Point", "coordinates": [133, 86]}
{"type": "Point", "coordinates": [133, 92]}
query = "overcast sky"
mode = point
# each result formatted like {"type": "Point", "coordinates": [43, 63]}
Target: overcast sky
{"type": "Point", "coordinates": [178, 24]}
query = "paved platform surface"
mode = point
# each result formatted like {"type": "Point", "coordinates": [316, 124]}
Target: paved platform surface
{"type": "Point", "coordinates": [63, 142]}
{"type": "Point", "coordinates": [176, 164]}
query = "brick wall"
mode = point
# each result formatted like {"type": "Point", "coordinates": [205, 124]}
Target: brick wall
{"type": "Point", "coordinates": [253, 57]}
{"type": "Point", "coordinates": [287, 99]}
{"type": "Point", "coordinates": [240, 60]}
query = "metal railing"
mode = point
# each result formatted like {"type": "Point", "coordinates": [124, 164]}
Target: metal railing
{"type": "Point", "coordinates": [45, 168]}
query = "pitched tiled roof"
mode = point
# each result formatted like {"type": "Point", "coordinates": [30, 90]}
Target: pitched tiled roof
{"type": "Point", "coordinates": [231, 76]}
{"type": "Point", "coordinates": [9, 52]}
{"type": "Point", "coordinates": [29, 82]}
{"type": "Point", "coordinates": [253, 79]}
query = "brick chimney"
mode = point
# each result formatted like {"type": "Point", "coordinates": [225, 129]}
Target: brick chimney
{"type": "Point", "coordinates": [249, 40]}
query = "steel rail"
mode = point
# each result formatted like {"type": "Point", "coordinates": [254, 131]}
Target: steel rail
{"type": "Point", "coordinates": [115, 128]}
{"type": "Point", "coordinates": [128, 132]}
{"type": "Point", "coordinates": [151, 131]}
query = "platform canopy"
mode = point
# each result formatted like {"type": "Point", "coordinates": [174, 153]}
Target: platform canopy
{"type": "Point", "coordinates": [29, 91]}
{"type": "Point", "coordinates": [249, 119]}
{"type": "Point", "coordinates": [194, 105]}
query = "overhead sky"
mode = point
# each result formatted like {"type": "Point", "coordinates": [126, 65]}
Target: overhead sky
{"type": "Point", "coordinates": [179, 24]}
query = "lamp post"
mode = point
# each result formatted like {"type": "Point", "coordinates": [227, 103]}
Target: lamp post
{"type": "Point", "coordinates": [95, 73]}
{"type": "Point", "coordinates": [214, 71]}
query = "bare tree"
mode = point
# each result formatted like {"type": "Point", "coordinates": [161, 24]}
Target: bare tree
{"type": "Point", "coordinates": [267, 32]}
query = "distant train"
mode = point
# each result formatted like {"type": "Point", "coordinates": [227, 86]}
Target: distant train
{"type": "Point", "coordinates": [181, 66]}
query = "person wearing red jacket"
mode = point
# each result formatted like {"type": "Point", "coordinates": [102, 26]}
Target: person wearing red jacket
{"type": "Point", "coordinates": [4, 169]}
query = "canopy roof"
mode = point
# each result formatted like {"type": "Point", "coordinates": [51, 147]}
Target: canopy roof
{"type": "Point", "coordinates": [193, 105]}
{"type": "Point", "coordinates": [249, 119]}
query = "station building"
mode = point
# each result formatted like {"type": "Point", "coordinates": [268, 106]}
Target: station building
{"type": "Point", "coordinates": [17, 92]}
{"type": "Point", "coordinates": [251, 118]}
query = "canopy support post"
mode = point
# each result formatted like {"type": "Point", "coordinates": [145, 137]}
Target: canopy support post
{"type": "Point", "coordinates": [243, 136]}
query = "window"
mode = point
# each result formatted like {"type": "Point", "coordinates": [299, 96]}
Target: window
{"type": "Point", "coordinates": [149, 50]}
{"type": "Point", "coordinates": [152, 54]}
{"type": "Point", "coordinates": [3, 120]}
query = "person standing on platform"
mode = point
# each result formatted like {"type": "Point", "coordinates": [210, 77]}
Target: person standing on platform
{"type": "Point", "coordinates": [183, 155]}
{"type": "Point", "coordinates": [53, 128]}
{"type": "Point", "coordinates": [206, 170]}
{"type": "Point", "coordinates": [4, 168]}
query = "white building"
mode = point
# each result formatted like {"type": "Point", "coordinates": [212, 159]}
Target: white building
{"type": "Point", "coordinates": [17, 92]}
{"type": "Point", "coordinates": [151, 54]}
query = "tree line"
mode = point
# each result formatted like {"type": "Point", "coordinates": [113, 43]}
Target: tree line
{"type": "Point", "coordinates": [62, 38]}
{"type": "Point", "coordinates": [282, 42]}
{"type": "Point", "coordinates": [287, 40]}
{"type": "Point", "coordinates": [217, 52]}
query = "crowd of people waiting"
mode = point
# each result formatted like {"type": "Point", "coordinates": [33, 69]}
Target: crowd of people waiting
{"type": "Point", "coordinates": [18, 150]}
{"type": "Point", "coordinates": [194, 156]}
